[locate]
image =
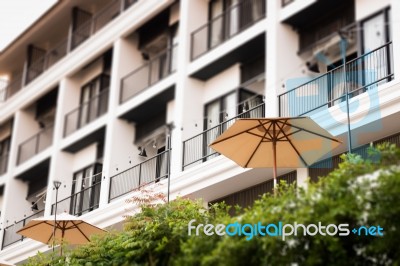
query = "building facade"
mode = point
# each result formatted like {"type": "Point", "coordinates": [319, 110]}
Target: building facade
{"type": "Point", "coordinates": [111, 95]}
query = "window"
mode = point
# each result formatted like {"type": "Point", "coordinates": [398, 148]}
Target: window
{"type": "Point", "coordinates": [229, 106]}
{"type": "Point", "coordinates": [93, 99]}
{"type": "Point", "coordinates": [219, 114]}
{"type": "Point", "coordinates": [4, 149]}
{"type": "Point", "coordinates": [86, 190]}
{"type": "Point", "coordinates": [228, 17]}
{"type": "Point", "coordinates": [375, 31]}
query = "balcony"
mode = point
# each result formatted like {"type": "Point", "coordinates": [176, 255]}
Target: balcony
{"type": "Point", "coordinates": [150, 170]}
{"type": "Point", "coordinates": [58, 51]}
{"type": "Point", "coordinates": [149, 74]}
{"type": "Point", "coordinates": [86, 113]}
{"type": "Point", "coordinates": [3, 163]}
{"type": "Point", "coordinates": [81, 202]}
{"type": "Point", "coordinates": [358, 76]}
{"type": "Point", "coordinates": [48, 60]}
{"type": "Point", "coordinates": [10, 235]}
{"type": "Point", "coordinates": [97, 22]}
{"type": "Point", "coordinates": [229, 23]}
{"type": "Point", "coordinates": [35, 144]}
{"type": "Point", "coordinates": [196, 150]}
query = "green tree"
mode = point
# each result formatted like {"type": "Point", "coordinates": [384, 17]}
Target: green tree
{"type": "Point", "coordinates": [360, 192]}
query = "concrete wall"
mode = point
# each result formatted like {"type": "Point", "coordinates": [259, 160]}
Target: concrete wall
{"type": "Point", "coordinates": [365, 8]}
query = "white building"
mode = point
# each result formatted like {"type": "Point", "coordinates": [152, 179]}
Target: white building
{"type": "Point", "coordinates": [94, 83]}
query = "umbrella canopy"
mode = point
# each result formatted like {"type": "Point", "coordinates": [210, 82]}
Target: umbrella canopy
{"type": "Point", "coordinates": [275, 142]}
{"type": "Point", "coordinates": [69, 228]}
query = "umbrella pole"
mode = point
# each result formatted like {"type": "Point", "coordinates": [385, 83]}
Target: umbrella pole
{"type": "Point", "coordinates": [274, 168]}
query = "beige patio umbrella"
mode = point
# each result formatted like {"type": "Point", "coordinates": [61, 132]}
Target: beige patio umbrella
{"type": "Point", "coordinates": [69, 229]}
{"type": "Point", "coordinates": [275, 142]}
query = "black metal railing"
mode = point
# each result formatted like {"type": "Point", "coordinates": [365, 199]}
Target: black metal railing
{"type": "Point", "coordinates": [86, 113]}
{"type": "Point", "coordinates": [35, 144]}
{"type": "Point", "coordinates": [231, 22]}
{"type": "Point", "coordinates": [196, 149]}
{"type": "Point", "coordinates": [359, 76]}
{"type": "Point", "coordinates": [10, 235]}
{"type": "Point", "coordinates": [3, 163]}
{"type": "Point", "coordinates": [286, 2]}
{"type": "Point", "coordinates": [81, 202]}
{"type": "Point", "coordinates": [148, 74]}
{"type": "Point", "coordinates": [151, 170]}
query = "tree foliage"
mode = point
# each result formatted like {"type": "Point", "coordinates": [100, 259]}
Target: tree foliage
{"type": "Point", "coordinates": [360, 192]}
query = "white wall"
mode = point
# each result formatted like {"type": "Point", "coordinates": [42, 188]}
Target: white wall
{"type": "Point", "coordinates": [221, 84]}
{"type": "Point", "coordinates": [84, 157]}
{"type": "Point", "coordinates": [90, 71]}
{"type": "Point", "coordinates": [282, 61]}
{"type": "Point", "coordinates": [365, 8]}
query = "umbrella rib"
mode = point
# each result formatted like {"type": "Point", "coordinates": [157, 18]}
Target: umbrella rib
{"type": "Point", "coordinates": [295, 149]}
{"type": "Point", "coordinates": [255, 150]}
{"type": "Point", "coordinates": [267, 130]}
{"type": "Point", "coordinates": [73, 225]}
{"type": "Point", "coordinates": [25, 228]}
{"type": "Point", "coordinates": [262, 137]}
{"type": "Point", "coordinates": [48, 241]}
{"type": "Point", "coordinates": [315, 133]}
{"type": "Point", "coordinates": [287, 135]}
{"type": "Point", "coordinates": [81, 231]}
{"type": "Point", "coordinates": [237, 134]}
